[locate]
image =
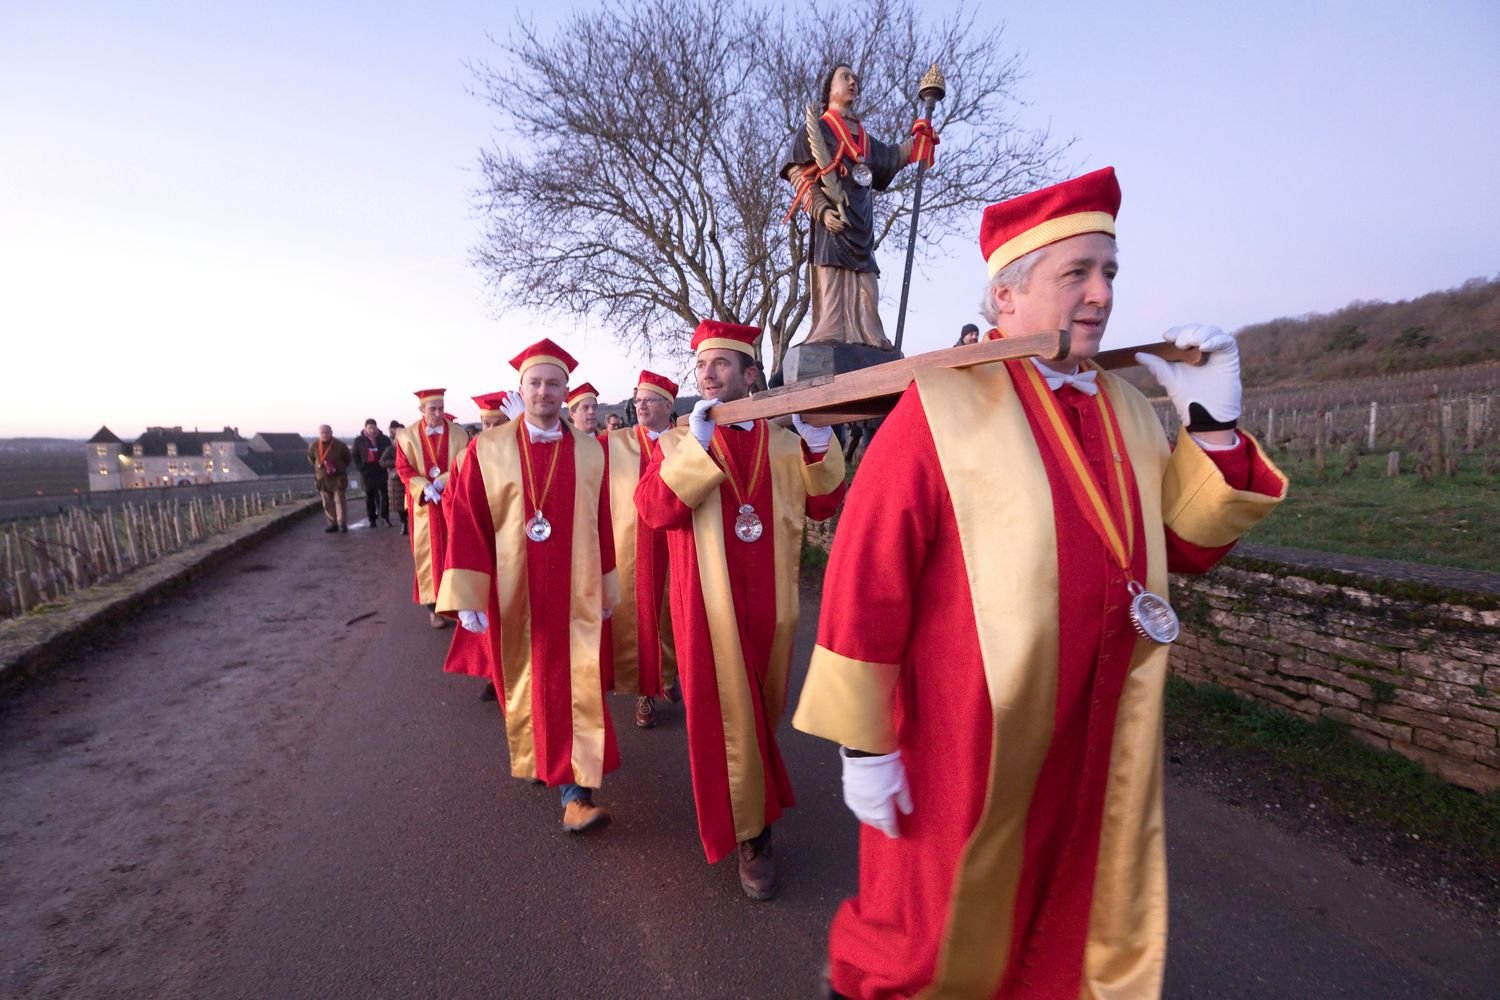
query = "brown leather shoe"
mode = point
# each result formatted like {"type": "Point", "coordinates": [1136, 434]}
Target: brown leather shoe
{"type": "Point", "coordinates": [581, 814]}
{"type": "Point", "coordinates": [645, 712]}
{"type": "Point", "coordinates": [436, 620]}
{"type": "Point", "coordinates": [673, 692]}
{"type": "Point", "coordinates": [758, 867]}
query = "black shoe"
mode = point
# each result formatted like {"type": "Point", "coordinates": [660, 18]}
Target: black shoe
{"type": "Point", "coordinates": [344, 528]}
{"type": "Point", "coordinates": [332, 529]}
{"type": "Point", "coordinates": [758, 867]}
{"type": "Point", "coordinates": [403, 530]}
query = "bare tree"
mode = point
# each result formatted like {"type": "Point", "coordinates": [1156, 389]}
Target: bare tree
{"type": "Point", "coordinates": [633, 174]}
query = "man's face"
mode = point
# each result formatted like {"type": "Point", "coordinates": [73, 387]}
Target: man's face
{"type": "Point", "coordinates": [844, 90]}
{"type": "Point", "coordinates": [1071, 288]}
{"type": "Point", "coordinates": [720, 375]}
{"type": "Point", "coordinates": [486, 422]}
{"type": "Point", "coordinates": [371, 429]}
{"type": "Point", "coordinates": [432, 413]}
{"type": "Point", "coordinates": [652, 411]}
{"type": "Point", "coordinates": [543, 389]}
{"type": "Point", "coordinates": [613, 422]}
{"type": "Point", "coordinates": [325, 434]}
{"type": "Point", "coordinates": [586, 415]}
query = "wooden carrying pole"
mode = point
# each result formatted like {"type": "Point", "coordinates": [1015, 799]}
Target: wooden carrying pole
{"type": "Point", "coordinates": [872, 392]}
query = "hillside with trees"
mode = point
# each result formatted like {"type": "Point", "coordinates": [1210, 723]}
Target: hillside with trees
{"type": "Point", "coordinates": [1445, 329]}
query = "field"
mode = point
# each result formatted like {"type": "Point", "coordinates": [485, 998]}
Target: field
{"type": "Point", "coordinates": [1444, 521]}
{"type": "Point", "coordinates": [47, 467]}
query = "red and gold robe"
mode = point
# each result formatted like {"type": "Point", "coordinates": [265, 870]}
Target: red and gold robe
{"type": "Point", "coordinates": [734, 612]}
{"type": "Point", "coordinates": [974, 619]}
{"type": "Point", "coordinates": [474, 654]}
{"type": "Point", "coordinates": [644, 658]}
{"type": "Point", "coordinates": [549, 596]}
{"type": "Point", "coordinates": [416, 453]}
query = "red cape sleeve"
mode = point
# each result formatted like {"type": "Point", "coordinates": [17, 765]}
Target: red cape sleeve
{"type": "Point", "coordinates": [1243, 468]}
{"type": "Point", "coordinates": [657, 505]}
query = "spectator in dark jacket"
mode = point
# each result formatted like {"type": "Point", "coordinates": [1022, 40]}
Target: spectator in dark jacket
{"type": "Point", "coordinates": [368, 448]}
{"type": "Point", "coordinates": [397, 489]}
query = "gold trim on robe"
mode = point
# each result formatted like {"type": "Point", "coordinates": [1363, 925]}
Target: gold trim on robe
{"type": "Point", "coordinates": [421, 532]}
{"type": "Point", "coordinates": [849, 701]}
{"type": "Point", "coordinates": [1004, 516]}
{"type": "Point", "coordinates": [1201, 508]}
{"type": "Point", "coordinates": [694, 477]}
{"type": "Point", "coordinates": [498, 453]}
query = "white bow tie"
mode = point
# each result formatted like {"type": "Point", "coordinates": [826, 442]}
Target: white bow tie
{"type": "Point", "coordinates": [1083, 380]}
{"type": "Point", "coordinates": [539, 436]}
{"type": "Point", "coordinates": [434, 431]}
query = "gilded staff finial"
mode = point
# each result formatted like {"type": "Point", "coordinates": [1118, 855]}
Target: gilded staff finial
{"type": "Point", "coordinates": [933, 81]}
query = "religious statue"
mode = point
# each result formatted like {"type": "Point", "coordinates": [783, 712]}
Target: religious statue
{"type": "Point", "coordinates": [835, 167]}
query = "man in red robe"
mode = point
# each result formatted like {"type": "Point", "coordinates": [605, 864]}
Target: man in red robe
{"type": "Point", "coordinates": [583, 408]}
{"type": "Point", "coordinates": [732, 501]}
{"type": "Point", "coordinates": [998, 705]}
{"type": "Point", "coordinates": [530, 531]}
{"type": "Point", "coordinates": [644, 656]}
{"type": "Point", "coordinates": [470, 653]}
{"type": "Point", "coordinates": [425, 453]}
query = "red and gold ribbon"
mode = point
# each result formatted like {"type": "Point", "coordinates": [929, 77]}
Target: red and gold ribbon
{"type": "Point", "coordinates": [432, 454]}
{"type": "Point", "coordinates": [923, 143]}
{"type": "Point", "coordinates": [1115, 527]}
{"type": "Point", "coordinates": [731, 472]}
{"type": "Point", "coordinates": [535, 499]}
{"type": "Point", "coordinates": [855, 150]}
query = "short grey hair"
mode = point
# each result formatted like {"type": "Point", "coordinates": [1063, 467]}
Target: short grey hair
{"type": "Point", "coordinates": [1013, 275]}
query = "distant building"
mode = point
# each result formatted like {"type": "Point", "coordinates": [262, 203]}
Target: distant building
{"type": "Point", "coordinates": [170, 456]}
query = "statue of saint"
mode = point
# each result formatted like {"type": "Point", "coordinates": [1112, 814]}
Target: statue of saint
{"type": "Point", "coordinates": [835, 167]}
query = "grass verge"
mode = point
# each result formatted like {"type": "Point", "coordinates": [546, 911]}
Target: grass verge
{"type": "Point", "coordinates": [1441, 522]}
{"type": "Point", "coordinates": [1359, 781]}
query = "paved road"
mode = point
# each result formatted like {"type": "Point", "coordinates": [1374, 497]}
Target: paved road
{"type": "Point", "coordinates": [254, 791]}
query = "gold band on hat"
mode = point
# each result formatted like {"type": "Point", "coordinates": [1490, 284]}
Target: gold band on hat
{"type": "Point", "coordinates": [544, 359]}
{"type": "Point", "coordinates": [1050, 232]}
{"type": "Point", "coordinates": [708, 343]}
{"type": "Point", "coordinates": [659, 390]}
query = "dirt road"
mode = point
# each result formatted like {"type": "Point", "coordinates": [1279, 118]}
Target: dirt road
{"type": "Point", "coordinates": [266, 788]}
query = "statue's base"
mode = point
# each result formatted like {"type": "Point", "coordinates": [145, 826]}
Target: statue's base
{"type": "Point", "coordinates": [807, 361]}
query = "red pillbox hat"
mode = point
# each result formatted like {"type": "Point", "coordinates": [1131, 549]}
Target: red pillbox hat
{"type": "Point", "coordinates": [1014, 228]}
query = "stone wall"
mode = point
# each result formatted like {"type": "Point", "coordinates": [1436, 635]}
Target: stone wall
{"type": "Point", "coordinates": [1407, 657]}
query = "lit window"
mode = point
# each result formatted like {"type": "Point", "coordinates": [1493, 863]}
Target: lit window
{"type": "Point", "coordinates": [224, 468]}
{"type": "Point", "coordinates": [137, 450]}
{"type": "Point", "coordinates": [172, 449]}
{"type": "Point", "coordinates": [103, 471]}
{"type": "Point", "coordinates": [101, 450]}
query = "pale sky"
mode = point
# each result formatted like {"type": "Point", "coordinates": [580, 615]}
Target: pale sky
{"type": "Point", "coordinates": [260, 214]}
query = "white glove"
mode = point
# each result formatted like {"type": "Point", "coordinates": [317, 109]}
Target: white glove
{"type": "Point", "coordinates": [874, 788]}
{"type": "Point", "coordinates": [511, 405]}
{"type": "Point", "coordinates": [1214, 386]}
{"type": "Point", "coordinates": [474, 621]}
{"type": "Point", "coordinates": [816, 438]}
{"type": "Point", "coordinates": [700, 424]}
{"type": "Point", "coordinates": [431, 495]}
